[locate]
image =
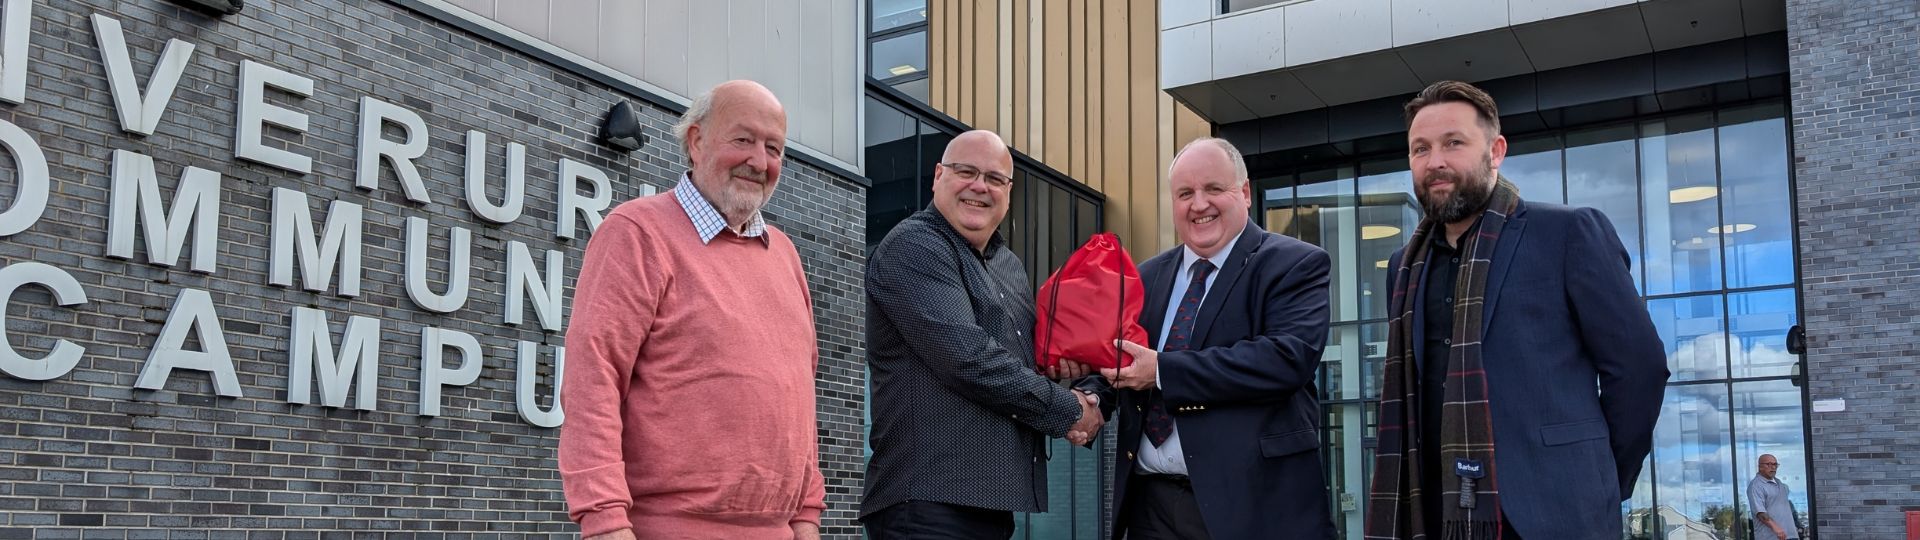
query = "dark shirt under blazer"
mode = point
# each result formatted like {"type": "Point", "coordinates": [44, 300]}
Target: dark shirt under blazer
{"type": "Point", "coordinates": [960, 416]}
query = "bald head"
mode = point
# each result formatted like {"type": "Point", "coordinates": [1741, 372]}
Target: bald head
{"type": "Point", "coordinates": [980, 143]}
{"type": "Point", "coordinates": [735, 137]}
{"type": "Point", "coordinates": [971, 187]}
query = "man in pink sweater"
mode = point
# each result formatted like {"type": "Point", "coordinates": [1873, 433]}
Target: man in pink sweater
{"type": "Point", "coordinates": [690, 391]}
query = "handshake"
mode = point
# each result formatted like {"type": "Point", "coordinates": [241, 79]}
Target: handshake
{"type": "Point", "coordinates": [1140, 374]}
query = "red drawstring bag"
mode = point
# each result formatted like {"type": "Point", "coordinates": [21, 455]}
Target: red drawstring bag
{"type": "Point", "coordinates": [1091, 301]}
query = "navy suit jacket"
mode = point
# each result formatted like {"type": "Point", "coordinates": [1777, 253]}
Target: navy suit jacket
{"type": "Point", "coordinates": [1243, 395]}
{"type": "Point", "coordinates": [1562, 314]}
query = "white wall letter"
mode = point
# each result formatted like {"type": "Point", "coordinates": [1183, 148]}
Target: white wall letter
{"type": "Point", "coordinates": [15, 23]}
{"type": "Point", "coordinates": [459, 264]}
{"type": "Point", "coordinates": [523, 282]}
{"type": "Point", "coordinates": [312, 340]}
{"type": "Point", "coordinates": [516, 196]}
{"type": "Point", "coordinates": [66, 292]}
{"type": "Point", "coordinates": [138, 114]}
{"type": "Point", "coordinates": [527, 376]}
{"type": "Point", "coordinates": [374, 114]}
{"type": "Point", "coordinates": [30, 200]}
{"type": "Point", "coordinates": [293, 227]}
{"type": "Point", "coordinates": [192, 311]}
{"type": "Point", "coordinates": [434, 374]}
{"type": "Point", "coordinates": [196, 205]}
{"type": "Point", "coordinates": [590, 207]}
{"type": "Point", "coordinates": [254, 110]}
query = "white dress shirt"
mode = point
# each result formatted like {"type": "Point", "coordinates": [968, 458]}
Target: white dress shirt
{"type": "Point", "coordinates": [1168, 458]}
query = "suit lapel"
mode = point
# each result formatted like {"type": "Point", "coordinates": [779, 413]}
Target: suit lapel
{"type": "Point", "coordinates": [1502, 261]}
{"type": "Point", "coordinates": [1249, 241]}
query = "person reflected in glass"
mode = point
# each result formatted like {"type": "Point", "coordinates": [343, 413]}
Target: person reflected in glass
{"type": "Point", "coordinates": [960, 416]}
{"type": "Point", "coordinates": [1505, 317]}
{"type": "Point", "coordinates": [1773, 516]}
{"type": "Point", "coordinates": [1219, 419]}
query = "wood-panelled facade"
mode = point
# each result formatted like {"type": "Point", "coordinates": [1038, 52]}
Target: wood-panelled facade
{"type": "Point", "coordinates": [1074, 84]}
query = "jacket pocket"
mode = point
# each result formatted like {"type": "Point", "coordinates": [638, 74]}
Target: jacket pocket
{"type": "Point", "coordinates": [1289, 443]}
{"type": "Point", "coordinates": [1572, 432]}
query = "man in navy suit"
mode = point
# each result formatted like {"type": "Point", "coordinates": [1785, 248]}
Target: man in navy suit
{"type": "Point", "coordinates": [1506, 316]}
{"type": "Point", "coordinates": [1219, 423]}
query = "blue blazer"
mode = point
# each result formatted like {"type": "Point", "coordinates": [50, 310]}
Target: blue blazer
{"type": "Point", "coordinates": [1243, 395]}
{"type": "Point", "coordinates": [1562, 314]}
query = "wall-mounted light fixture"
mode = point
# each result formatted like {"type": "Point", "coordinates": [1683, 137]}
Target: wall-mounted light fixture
{"type": "Point", "coordinates": [622, 128]}
{"type": "Point", "coordinates": [216, 8]}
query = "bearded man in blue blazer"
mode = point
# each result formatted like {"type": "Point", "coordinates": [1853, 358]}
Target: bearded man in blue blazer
{"type": "Point", "coordinates": [1523, 375]}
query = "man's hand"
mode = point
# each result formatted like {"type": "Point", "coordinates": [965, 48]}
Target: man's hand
{"type": "Point", "coordinates": [1090, 422]}
{"type": "Point", "coordinates": [1068, 370]}
{"type": "Point", "coordinates": [622, 534]}
{"type": "Point", "coordinates": [1778, 532]}
{"type": "Point", "coordinates": [803, 530]}
{"type": "Point", "coordinates": [1140, 375]}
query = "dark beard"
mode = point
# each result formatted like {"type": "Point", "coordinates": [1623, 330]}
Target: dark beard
{"type": "Point", "coordinates": [1468, 198]}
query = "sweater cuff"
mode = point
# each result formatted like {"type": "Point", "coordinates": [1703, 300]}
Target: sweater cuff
{"type": "Point", "coordinates": [808, 514]}
{"type": "Point", "coordinates": [604, 521]}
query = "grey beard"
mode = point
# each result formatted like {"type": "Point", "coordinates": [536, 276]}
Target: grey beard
{"type": "Point", "coordinates": [1464, 203]}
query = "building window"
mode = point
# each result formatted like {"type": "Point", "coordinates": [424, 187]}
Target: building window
{"type": "Point", "coordinates": [1230, 6]}
{"type": "Point", "coordinates": [897, 45]}
{"type": "Point", "coordinates": [1702, 203]}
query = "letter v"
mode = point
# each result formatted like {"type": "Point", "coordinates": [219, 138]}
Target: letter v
{"type": "Point", "coordinates": [139, 114]}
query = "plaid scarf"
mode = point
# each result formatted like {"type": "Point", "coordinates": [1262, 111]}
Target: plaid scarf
{"type": "Point", "coordinates": [1395, 502]}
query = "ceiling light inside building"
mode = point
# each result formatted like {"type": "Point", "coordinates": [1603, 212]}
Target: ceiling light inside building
{"type": "Point", "coordinates": [1381, 264]}
{"type": "Point", "coordinates": [1692, 194]}
{"type": "Point", "coordinates": [903, 70]}
{"type": "Point", "coordinates": [1376, 232]}
{"type": "Point", "coordinates": [1734, 228]}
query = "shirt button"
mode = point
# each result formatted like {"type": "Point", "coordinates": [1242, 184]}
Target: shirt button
{"type": "Point", "coordinates": [1449, 300]}
{"type": "Point", "coordinates": [1017, 333]}
{"type": "Point", "coordinates": [1456, 260]}
{"type": "Point", "coordinates": [1448, 342]}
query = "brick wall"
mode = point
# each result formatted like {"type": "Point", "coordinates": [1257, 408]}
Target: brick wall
{"type": "Point", "coordinates": [1855, 68]}
{"type": "Point", "coordinates": [89, 451]}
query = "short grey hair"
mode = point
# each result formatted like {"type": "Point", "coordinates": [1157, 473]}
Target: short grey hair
{"type": "Point", "coordinates": [695, 115]}
{"type": "Point", "coordinates": [1233, 154]}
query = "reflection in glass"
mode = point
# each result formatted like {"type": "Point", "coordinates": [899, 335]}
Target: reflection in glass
{"type": "Point", "coordinates": [1388, 214]}
{"type": "Point", "coordinates": [1681, 199]}
{"type": "Point", "coordinates": [1340, 372]}
{"type": "Point", "coordinates": [1637, 511]}
{"type": "Point", "coordinates": [1277, 206]}
{"type": "Point", "coordinates": [1759, 219]}
{"type": "Point", "coordinates": [893, 167]}
{"type": "Point", "coordinates": [1533, 165]}
{"type": "Point", "coordinates": [1325, 207]}
{"type": "Point", "coordinates": [1692, 330]}
{"type": "Point", "coordinates": [1237, 5]}
{"type": "Point", "coordinates": [1758, 323]}
{"type": "Point", "coordinates": [890, 14]}
{"type": "Point", "coordinates": [1693, 469]}
{"type": "Point", "coordinates": [1767, 420]}
{"type": "Point", "coordinates": [898, 56]}
{"type": "Point", "coordinates": [1600, 174]}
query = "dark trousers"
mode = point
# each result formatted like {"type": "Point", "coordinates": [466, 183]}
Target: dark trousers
{"type": "Point", "coordinates": [1161, 507]}
{"type": "Point", "coordinates": [924, 520]}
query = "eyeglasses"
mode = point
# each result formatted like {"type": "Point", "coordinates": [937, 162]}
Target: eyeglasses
{"type": "Point", "coordinates": [969, 173]}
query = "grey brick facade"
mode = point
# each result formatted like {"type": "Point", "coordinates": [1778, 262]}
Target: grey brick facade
{"type": "Point", "coordinates": [1856, 141]}
{"type": "Point", "coordinates": [88, 455]}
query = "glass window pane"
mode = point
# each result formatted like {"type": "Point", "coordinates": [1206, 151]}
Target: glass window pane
{"type": "Point", "coordinates": [894, 168]}
{"type": "Point", "coordinates": [1693, 469]}
{"type": "Point", "coordinates": [1758, 323]}
{"type": "Point", "coordinates": [890, 14]}
{"type": "Point", "coordinates": [1533, 165]}
{"type": "Point", "coordinates": [1237, 5]}
{"type": "Point", "coordinates": [1326, 206]}
{"type": "Point", "coordinates": [1388, 213]}
{"type": "Point", "coordinates": [1759, 218]}
{"type": "Point", "coordinates": [898, 56]}
{"type": "Point", "coordinates": [1682, 196]}
{"type": "Point", "coordinates": [1086, 217]}
{"type": "Point", "coordinates": [1016, 225]}
{"type": "Point", "coordinates": [1767, 418]}
{"type": "Point", "coordinates": [1693, 331]}
{"type": "Point", "coordinates": [1600, 174]}
{"type": "Point", "coordinates": [1063, 241]}
{"type": "Point", "coordinates": [1277, 206]}
{"type": "Point", "coordinates": [1349, 432]}
{"type": "Point", "coordinates": [918, 89]}
{"type": "Point", "coordinates": [1637, 511]}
